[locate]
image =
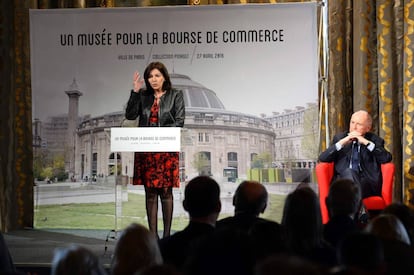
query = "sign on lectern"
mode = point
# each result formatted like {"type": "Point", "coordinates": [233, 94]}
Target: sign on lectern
{"type": "Point", "coordinates": [145, 139]}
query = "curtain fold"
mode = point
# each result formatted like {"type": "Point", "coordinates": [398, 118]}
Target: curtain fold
{"type": "Point", "coordinates": [339, 66]}
{"type": "Point", "coordinates": [16, 177]}
{"type": "Point", "coordinates": [389, 47]}
{"type": "Point", "coordinates": [406, 100]}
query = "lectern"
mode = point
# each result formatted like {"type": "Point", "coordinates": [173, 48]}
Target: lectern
{"type": "Point", "coordinates": [141, 139]}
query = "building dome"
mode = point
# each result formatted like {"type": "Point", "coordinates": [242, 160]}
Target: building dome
{"type": "Point", "coordinates": [195, 94]}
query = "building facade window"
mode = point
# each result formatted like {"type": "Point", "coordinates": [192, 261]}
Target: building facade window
{"type": "Point", "coordinates": [233, 139]}
{"type": "Point", "coordinates": [203, 137]}
{"type": "Point", "coordinates": [254, 140]}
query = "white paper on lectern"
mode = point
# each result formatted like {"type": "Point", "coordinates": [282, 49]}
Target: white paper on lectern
{"type": "Point", "coordinates": [146, 139]}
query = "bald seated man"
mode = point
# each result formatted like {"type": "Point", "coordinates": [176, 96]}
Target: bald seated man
{"type": "Point", "coordinates": [358, 155]}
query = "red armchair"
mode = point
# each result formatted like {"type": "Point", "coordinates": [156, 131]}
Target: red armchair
{"type": "Point", "coordinates": [324, 173]}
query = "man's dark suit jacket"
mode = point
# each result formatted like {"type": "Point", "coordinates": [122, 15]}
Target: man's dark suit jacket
{"type": "Point", "coordinates": [176, 249]}
{"type": "Point", "coordinates": [264, 234]}
{"type": "Point", "coordinates": [338, 227]}
{"type": "Point", "coordinates": [244, 222]}
{"type": "Point", "coordinates": [370, 162]}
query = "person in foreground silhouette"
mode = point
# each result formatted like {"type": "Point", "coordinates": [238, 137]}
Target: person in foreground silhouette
{"type": "Point", "coordinates": [398, 253]}
{"type": "Point", "coordinates": [302, 228]}
{"type": "Point", "coordinates": [159, 269]}
{"type": "Point", "coordinates": [360, 253]}
{"type": "Point", "coordinates": [202, 202]}
{"type": "Point", "coordinates": [250, 201]}
{"type": "Point", "coordinates": [285, 264]}
{"type": "Point", "coordinates": [405, 214]}
{"type": "Point", "coordinates": [136, 249]}
{"type": "Point", "coordinates": [223, 252]}
{"type": "Point", "coordinates": [76, 259]}
{"type": "Point", "coordinates": [343, 203]}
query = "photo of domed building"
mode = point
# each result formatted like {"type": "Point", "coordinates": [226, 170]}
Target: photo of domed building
{"type": "Point", "coordinates": [215, 141]}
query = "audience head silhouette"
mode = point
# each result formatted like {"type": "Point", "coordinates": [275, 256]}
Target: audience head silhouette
{"type": "Point", "coordinates": [250, 197]}
{"type": "Point", "coordinates": [202, 197]}
{"type": "Point", "coordinates": [405, 214]}
{"type": "Point", "coordinates": [76, 259]}
{"type": "Point", "coordinates": [301, 210]}
{"type": "Point", "coordinates": [344, 198]}
{"type": "Point", "coordinates": [302, 228]}
{"type": "Point", "coordinates": [202, 202]}
{"type": "Point", "coordinates": [136, 248]}
{"type": "Point", "coordinates": [388, 227]}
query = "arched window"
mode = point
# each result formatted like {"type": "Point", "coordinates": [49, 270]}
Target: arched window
{"type": "Point", "coordinates": [202, 163]}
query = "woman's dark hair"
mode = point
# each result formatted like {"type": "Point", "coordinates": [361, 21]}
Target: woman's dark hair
{"type": "Point", "coordinates": [302, 210]}
{"type": "Point", "coordinates": [163, 70]}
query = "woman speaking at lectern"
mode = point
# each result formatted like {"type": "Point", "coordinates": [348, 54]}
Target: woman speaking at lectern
{"type": "Point", "coordinates": [156, 105]}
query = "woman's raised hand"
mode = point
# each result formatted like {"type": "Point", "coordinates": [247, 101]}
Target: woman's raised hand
{"type": "Point", "coordinates": [138, 82]}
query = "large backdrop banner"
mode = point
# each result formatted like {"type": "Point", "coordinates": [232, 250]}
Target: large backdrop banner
{"type": "Point", "coordinates": [259, 60]}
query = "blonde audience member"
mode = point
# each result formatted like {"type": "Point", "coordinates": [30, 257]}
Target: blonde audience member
{"type": "Point", "coordinates": [77, 260]}
{"type": "Point", "coordinates": [136, 248]}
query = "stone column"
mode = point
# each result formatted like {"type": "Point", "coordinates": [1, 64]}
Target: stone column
{"type": "Point", "coordinates": [73, 113]}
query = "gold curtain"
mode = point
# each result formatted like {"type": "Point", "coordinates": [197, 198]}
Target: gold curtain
{"type": "Point", "coordinates": [370, 67]}
{"type": "Point", "coordinates": [369, 49]}
{"type": "Point", "coordinates": [16, 169]}
{"type": "Point", "coordinates": [406, 100]}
